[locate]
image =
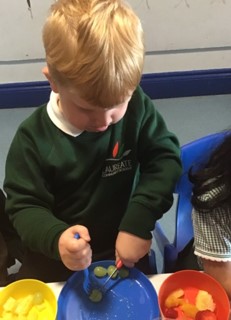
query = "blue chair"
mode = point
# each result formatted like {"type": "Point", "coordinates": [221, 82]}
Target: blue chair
{"type": "Point", "coordinates": [196, 154]}
{"type": "Point", "coordinates": [152, 261]}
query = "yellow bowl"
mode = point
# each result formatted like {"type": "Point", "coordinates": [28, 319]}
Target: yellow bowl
{"type": "Point", "coordinates": [20, 292]}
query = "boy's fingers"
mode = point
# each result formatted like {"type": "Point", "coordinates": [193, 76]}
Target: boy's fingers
{"type": "Point", "coordinates": [127, 263]}
{"type": "Point", "coordinates": [82, 231]}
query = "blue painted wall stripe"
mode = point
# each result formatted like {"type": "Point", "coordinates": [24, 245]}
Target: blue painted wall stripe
{"type": "Point", "coordinates": [156, 85]}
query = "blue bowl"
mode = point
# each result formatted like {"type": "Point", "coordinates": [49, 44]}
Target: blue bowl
{"type": "Point", "coordinates": [132, 298]}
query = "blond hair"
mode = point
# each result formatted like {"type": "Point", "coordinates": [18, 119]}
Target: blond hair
{"type": "Point", "coordinates": [96, 47]}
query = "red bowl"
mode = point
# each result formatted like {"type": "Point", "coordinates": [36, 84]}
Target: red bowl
{"type": "Point", "coordinates": [195, 279]}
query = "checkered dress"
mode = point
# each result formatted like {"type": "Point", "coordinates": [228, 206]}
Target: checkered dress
{"type": "Point", "coordinates": [212, 231]}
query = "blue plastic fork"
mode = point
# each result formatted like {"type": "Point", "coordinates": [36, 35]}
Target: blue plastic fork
{"type": "Point", "coordinates": [86, 282]}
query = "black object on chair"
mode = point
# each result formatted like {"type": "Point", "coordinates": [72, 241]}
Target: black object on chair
{"type": "Point", "coordinates": [11, 247]}
{"type": "Point", "coordinates": [194, 154]}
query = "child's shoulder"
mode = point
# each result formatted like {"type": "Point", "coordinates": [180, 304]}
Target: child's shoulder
{"type": "Point", "coordinates": [138, 94]}
{"type": "Point", "coordinates": [141, 99]}
{"type": "Point", "coordinates": [35, 118]}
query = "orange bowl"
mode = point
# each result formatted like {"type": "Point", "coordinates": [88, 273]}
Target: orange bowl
{"type": "Point", "coordinates": [195, 280]}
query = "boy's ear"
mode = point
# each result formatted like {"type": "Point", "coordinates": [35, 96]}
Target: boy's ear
{"type": "Point", "coordinates": [53, 85]}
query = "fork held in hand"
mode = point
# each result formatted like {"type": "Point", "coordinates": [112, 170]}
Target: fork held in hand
{"type": "Point", "coordinates": [86, 282]}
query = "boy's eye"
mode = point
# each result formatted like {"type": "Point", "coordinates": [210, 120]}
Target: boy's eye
{"type": "Point", "coordinates": [82, 109]}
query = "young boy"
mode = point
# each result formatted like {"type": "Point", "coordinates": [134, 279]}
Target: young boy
{"type": "Point", "coordinates": [97, 160]}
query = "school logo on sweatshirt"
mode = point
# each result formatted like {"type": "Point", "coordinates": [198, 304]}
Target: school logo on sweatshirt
{"type": "Point", "coordinates": [119, 161]}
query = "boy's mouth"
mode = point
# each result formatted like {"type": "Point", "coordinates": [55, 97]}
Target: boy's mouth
{"type": "Point", "coordinates": [98, 129]}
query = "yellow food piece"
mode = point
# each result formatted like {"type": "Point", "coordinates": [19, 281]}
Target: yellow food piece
{"type": "Point", "coordinates": [20, 317]}
{"type": "Point", "coordinates": [10, 304]}
{"type": "Point", "coordinates": [7, 315]}
{"type": "Point", "coordinates": [175, 299]}
{"type": "Point", "coordinates": [24, 305]}
{"type": "Point", "coordinates": [204, 301]}
{"type": "Point", "coordinates": [190, 310]}
{"type": "Point", "coordinates": [41, 306]}
{"type": "Point", "coordinates": [38, 298]}
{"type": "Point", "coordinates": [26, 308]}
{"type": "Point", "coordinates": [33, 314]}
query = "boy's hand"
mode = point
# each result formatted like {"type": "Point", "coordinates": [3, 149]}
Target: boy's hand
{"type": "Point", "coordinates": [130, 248]}
{"type": "Point", "coordinates": [75, 253]}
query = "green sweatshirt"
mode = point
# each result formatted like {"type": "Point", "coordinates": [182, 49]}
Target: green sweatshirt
{"type": "Point", "coordinates": [120, 179]}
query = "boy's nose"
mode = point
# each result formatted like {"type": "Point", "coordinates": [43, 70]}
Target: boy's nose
{"type": "Point", "coordinates": [104, 120]}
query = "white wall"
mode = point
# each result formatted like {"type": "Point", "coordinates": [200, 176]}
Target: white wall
{"type": "Point", "coordinates": [180, 35]}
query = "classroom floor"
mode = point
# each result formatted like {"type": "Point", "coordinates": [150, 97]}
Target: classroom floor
{"type": "Point", "coordinates": [189, 118]}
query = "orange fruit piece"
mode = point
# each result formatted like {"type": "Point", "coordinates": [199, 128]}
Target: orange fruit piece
{"type": "Point", "coordinates": [175, 299]}
{"type": "Point", "coordinates": [190, 310]}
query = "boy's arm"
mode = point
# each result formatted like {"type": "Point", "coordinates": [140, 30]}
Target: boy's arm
{"type": "Point", "coordinates": [23, 184]}
{"type": "Point", "coordinates": [160, 168]}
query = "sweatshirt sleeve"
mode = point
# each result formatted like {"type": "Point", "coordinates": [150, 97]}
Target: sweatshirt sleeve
{"type": "Point", "coordinates": [160, 168]}
{"type": "Point", "coordinates": [30, 201]}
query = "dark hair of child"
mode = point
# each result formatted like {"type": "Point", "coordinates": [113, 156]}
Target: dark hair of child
{"type": "Point", "coordinates": [213, 180]}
